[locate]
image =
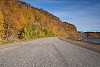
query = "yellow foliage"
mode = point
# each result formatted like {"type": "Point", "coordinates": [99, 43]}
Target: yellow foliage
{"type": "Point", "coordinates": [21, 20]}
{"type": "Point", "coordinates": [1, 26]}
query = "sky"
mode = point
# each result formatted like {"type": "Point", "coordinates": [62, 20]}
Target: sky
{"type": "Point", "coordinates": [84, 14]}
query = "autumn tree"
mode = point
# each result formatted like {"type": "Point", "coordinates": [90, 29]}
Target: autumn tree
{"type": "Point", "coordinates": [1, 26]}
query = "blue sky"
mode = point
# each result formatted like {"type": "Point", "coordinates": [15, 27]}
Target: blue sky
{"type": "Point", "coordinates": [84, 14]}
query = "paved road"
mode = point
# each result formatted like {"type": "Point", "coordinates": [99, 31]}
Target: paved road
{"type": "Point", "coordinates": [48, 52]}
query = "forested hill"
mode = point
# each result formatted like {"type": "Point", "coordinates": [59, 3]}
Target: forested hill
{"type": "Point", "coordinates": [20, 20]}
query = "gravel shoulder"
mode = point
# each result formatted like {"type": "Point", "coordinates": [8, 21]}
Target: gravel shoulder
{"type": "Point", "coordinates": [90, 46]}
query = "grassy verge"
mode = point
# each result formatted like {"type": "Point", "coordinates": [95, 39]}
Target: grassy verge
{"type": "Point", "coordinates": [3, 42]}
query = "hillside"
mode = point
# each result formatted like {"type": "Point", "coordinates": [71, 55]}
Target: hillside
{"type": "Point", "coordinates": [20, 20]}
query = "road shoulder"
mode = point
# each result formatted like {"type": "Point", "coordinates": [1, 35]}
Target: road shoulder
{"type": "Point", "coordinates": [90, 46]}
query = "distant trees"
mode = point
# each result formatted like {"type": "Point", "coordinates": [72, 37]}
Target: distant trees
{"type": "Point", "coordinates": [92, 34]}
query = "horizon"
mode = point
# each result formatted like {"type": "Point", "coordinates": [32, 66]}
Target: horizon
{"type": "Point", "coordinates": [83, 14]}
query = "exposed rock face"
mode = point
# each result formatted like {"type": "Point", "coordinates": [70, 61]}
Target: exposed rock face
{"type": "Point", "coordinates": [21, 20]}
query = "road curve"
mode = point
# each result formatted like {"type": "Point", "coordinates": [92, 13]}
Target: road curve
{"type": "Point", "coordinates": [48, 52]}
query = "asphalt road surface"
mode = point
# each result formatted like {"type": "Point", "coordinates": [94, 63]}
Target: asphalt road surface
{"type": "Point", "coordinates": [48, 52]}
